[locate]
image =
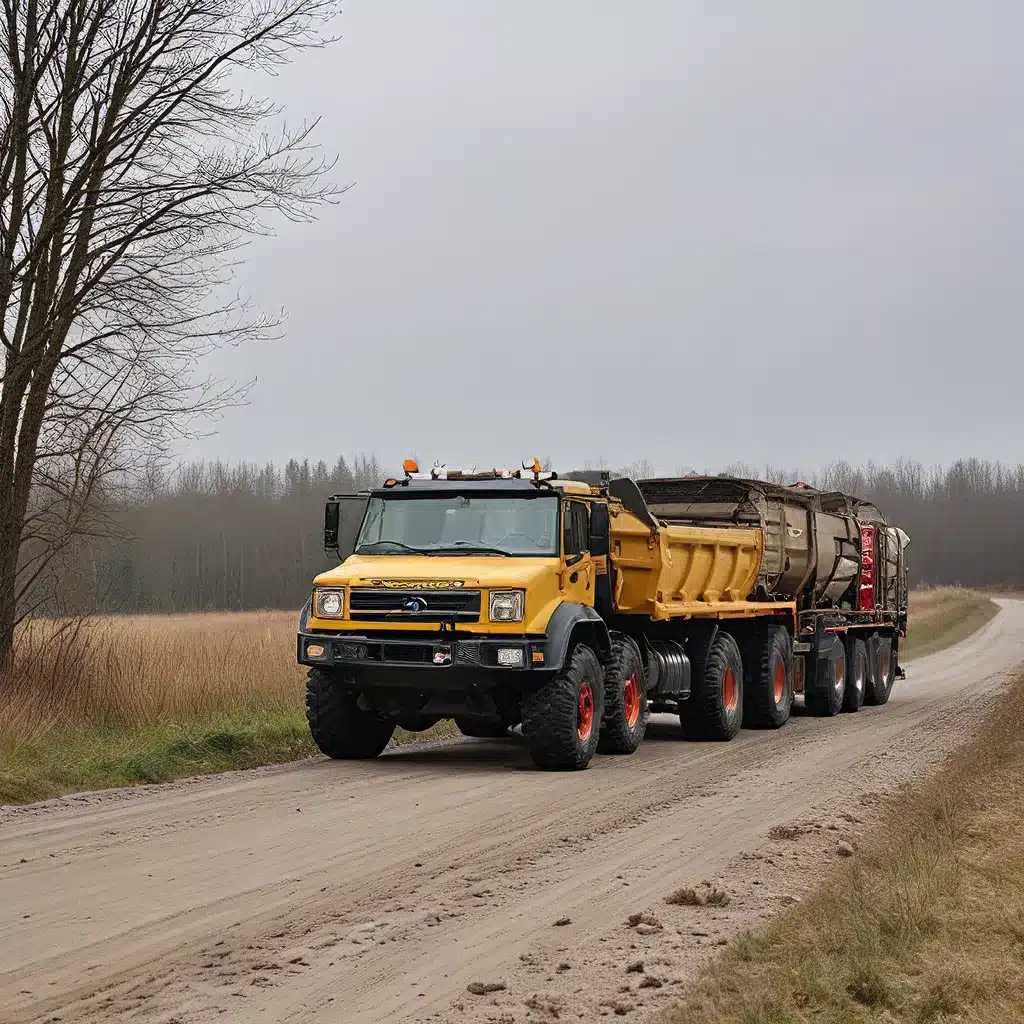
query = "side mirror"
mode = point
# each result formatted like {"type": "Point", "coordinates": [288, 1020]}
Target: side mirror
{"type": "Point", "coordinates": [332, 520]}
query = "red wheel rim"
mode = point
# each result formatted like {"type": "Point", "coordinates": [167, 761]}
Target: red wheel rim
{"type": "Point", "coordinates": [631, 700]}
{"type": "Point", "coordinates": [730, 690]}
{"type": "Point", "coordinates": [779, 682]}
{"type": "Point", "coordinates": [585, 712]}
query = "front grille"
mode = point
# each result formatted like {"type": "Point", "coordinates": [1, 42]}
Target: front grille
{"type": "Point", "coordinates": [429, 605]}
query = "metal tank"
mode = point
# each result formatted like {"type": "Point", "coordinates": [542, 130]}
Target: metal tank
{"type": "Point", "coordinates": [813, 541]}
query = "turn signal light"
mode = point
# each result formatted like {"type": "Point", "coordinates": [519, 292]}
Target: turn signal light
{"type": "Point", "coordinates": [410, 466]}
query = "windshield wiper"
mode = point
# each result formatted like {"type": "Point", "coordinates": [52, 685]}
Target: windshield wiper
{"type": "Point", "coordinates": [364, 549]}
{"type": "Point", "coordinates": [467, 547]}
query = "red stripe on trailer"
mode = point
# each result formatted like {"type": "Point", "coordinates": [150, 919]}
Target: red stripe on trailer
{"type": "Point", "coordinates": [866, 587]}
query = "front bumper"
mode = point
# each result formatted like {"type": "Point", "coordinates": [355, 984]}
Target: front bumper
{"type": "Point", "coordinates": [433, 652]}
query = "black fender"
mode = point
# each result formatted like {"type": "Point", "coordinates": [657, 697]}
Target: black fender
{"type": "Point", "coordinates": [569, 624]}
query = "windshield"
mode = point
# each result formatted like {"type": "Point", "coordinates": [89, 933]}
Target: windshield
{"type": "Point", "coordinates": [453, 523]}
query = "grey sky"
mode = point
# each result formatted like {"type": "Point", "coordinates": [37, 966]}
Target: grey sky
{"type": "Point", "coordinates": [778, 232]}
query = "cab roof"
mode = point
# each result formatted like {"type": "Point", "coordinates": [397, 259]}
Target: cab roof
{"type": "Point", "coordinates": [494, 485]}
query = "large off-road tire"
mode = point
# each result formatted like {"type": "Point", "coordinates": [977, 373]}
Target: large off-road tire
{"type": "Point", "coordinates": [881, 683]}
{"type": "Point", "coordinates": [625, 699]}
{"type": "Point", "coordinates": [857, 677]}
{"type": "Point", "coordinates": [714, 709]}
{"type": "Point", "coordinates": [340, 728]}
{"type": "Point", "coordinates": [483, 728]}
{"type": "Point", "coordinates": [824, 701]}
{"type": "Point", "coordinates": [768, 679]}
{"type": "Point", "coordinates": [562, 717]}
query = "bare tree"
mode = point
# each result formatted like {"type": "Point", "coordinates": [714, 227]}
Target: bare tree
{"type": "Point", "coordinates": [132, 168]}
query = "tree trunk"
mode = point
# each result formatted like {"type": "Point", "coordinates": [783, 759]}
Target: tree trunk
{"type": "Point", "coordinates": [8, 611]}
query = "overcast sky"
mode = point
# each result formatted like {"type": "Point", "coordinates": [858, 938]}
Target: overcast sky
{"type": "Point", "coordinates": [693, 232]}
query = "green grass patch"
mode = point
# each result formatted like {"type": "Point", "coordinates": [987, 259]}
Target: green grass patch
{"type": "Point", "coordinates": [105, 758]}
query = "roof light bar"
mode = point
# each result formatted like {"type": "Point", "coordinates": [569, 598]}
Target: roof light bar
{"type": "Point", "coordinates": [441, 472]}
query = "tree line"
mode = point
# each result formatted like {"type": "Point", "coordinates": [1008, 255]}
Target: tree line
{"type": "Point", "coordinates": [211, 536]}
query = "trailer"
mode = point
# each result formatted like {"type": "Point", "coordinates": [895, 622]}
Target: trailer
{"type": "Point", "coordinates": [577, 607]}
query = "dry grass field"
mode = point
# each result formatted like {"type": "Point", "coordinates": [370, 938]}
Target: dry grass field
{"type": "Point", "coordinates": [115, 701]}
{"type": "Point", "coordinates": [942, 616]}
{"type": "Point", "coordinates": [925, 923]}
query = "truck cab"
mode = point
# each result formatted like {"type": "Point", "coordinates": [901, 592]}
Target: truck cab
{"type": "Point", "coordinates": [463, 594]}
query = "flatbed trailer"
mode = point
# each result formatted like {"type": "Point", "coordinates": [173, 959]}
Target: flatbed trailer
{"type": "Point", "coordinates": [577, 607]}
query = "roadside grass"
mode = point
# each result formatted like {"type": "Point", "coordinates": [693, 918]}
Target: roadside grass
{"type": "Point", "coordinates": [108, 756]}
{"type": "Point", "coordinates": [118, 701]}
{"type": "Point", "coordinates": [925, 923]}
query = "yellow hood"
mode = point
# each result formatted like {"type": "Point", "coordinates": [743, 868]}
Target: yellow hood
{"type": "Point", "coordinates": [405, 571]}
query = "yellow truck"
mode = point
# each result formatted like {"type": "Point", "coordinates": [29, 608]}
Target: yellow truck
{"type": "Point", "coordinates": [577, 607]}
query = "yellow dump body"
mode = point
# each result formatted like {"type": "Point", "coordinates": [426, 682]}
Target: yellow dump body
{"type": "Point", "coordinates": [685, 571]}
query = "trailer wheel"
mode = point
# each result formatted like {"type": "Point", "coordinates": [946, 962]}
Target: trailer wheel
{"type": "Point", "coordinates": [881, 684]}
{"type": "Point", "coordinates": [857, 681]}
{"type": "Point", "coordinates": [340, 728]}
{"type": "Point", "coordinates": [714, 709]}
{"type": "Point", "coordinates": [625, 698]}
{"type": "Point", "coordinates": [562, 717]}
{"type": "Point", "coordinates": [826, 700]}
{"type": "Point", "coordinates": [483, 728]}
{"type": "Point", "coordinates": [768, 684]}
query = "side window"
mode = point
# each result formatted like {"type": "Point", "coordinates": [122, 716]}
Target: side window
{"type": "Point", "coordinates": [577, 528]}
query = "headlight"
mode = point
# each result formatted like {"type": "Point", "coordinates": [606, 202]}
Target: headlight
{"type": "Point", "coordinates": [330, 604]}
{"type": "Point", "coordinates": [506, 606]}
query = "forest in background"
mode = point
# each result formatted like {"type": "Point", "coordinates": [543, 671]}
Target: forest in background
{"type": "Point", "coordinates": [211, 536]}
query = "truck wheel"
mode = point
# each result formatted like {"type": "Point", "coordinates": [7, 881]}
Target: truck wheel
{"type": "Point", "coordinates": [881, 685]}
{"type": "Point", "coordinates": [483, 728]}
{"type": "Point", "coordinates": [340, 728]}
{"type": "Point", "coordinates": [562, 718]}
{"type": "Point", "coordinates": [768, 685]}
{"type": "Point", "coordinates": [625, 699]}
{"type": "Point", "coordinates": [825, 701]}
{"type": "Point", "coordinates": [714, 709]}
{"type": "Point", "coordinates": [857, 681]}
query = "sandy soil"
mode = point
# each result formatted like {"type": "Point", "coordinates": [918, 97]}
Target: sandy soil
{"type": "Point", "coordinates": [331, 892]}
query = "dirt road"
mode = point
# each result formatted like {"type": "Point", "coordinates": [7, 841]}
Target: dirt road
{"type": "Point", "coordinates": [331, 892]}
